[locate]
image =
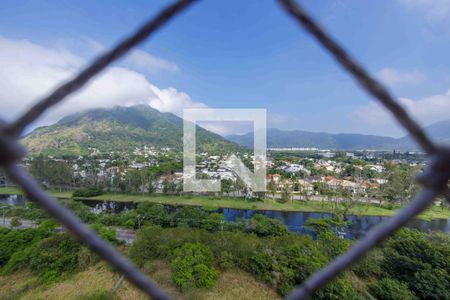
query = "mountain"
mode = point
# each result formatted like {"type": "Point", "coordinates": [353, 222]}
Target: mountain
{"type": "Point", "coordinates": [119, 129]}
{"type": "Point", "coordinates": [277, 138]}
{"type": "Point", "coordinates": [440, 131]}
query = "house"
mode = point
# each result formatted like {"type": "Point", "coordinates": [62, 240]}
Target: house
{"type": "Point", "coordinates": [380, 180]}
{"type": "Point", "coordinates": [327, 154]}
{"type": "Point", "coordinates": [306, 186]}
{"type": "Point", "coordinates": [313, 179]}
{"type": "Point", "coordinates": [346, 185]}
{"type": "Point", "coordinates": [376, 168]}
{"type": "Point", "coordinates": [294, 168]}
{"type": "Point", "coordinates": [274, 177]}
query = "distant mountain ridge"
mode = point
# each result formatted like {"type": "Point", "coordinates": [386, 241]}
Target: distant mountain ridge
{"type": "Point", "coordinates": [125, 128]}
{"type": "Point", "coordinates": [277, 138]}
{"type": "Point", "coordinates": [119, 129]}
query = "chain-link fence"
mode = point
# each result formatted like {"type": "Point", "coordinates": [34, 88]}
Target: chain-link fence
{"type": "Point", "coordinates": [434, 179]}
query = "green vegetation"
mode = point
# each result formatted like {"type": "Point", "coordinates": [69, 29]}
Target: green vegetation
{"type": "Point", "coordinates": [119, 129]}
{"type": "Point", "coordinates": [391, 289]}
{"type": "Point", "coordinates": [96, 281]}
{"type": "Point", "coordinates": [192, 265]}
{"type": "Point", "coordinates": [87, 192]}
{"type": "Point", "coordinates": [285, 261]}
{"type": "Point", "coordinates": [265, 204]}
{"type": "Point", "coordinates": [282, 260]}
{"type": "Point", "coordinates": [46, 254]}
{"type": "Point", "coordinates": [198, 247]}
{"type": "Point", "coordinates": [239, 203]}
{"type": "Point", "coordinates": [17, 191]}
{"type": "Point", "coordinates": [53, 256]}
{"type": "Point", "coordinates": [15, 222]}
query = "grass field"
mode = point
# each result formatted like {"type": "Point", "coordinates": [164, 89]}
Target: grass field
{"type": "Point", "coordinates": [211, 203]}
{"type": "Point", "coordinates": [16, 191]}
{"type": "Point", "coordinates": [100, 279]}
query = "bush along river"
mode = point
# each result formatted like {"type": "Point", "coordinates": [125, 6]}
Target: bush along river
{"type": "Point", "coordinates": [294, 220]}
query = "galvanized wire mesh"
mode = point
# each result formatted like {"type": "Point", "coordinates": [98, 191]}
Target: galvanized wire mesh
{"type": "Point", "coordinates": [434, 178]}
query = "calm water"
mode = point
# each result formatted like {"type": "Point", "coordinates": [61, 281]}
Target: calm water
{"type": "Point", "coordinates": [294, 220]}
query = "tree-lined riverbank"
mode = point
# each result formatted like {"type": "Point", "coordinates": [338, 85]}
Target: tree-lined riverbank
{"type": "Point", "coordinates": [212, 203]}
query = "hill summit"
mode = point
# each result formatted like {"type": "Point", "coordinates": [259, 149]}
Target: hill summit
{"type": "Point", "coordinates": [119, 129]}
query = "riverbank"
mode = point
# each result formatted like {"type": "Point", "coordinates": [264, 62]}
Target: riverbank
{"type": "Point", "coordinates": [213, 203]}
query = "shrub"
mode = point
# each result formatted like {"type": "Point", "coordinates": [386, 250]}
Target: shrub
{"type": "Point", "coordinates": [16, 240]}
{"type": "Point", "coordinates": [296, 260]}
{"type": "Point", "coordinates": [213, 222]}
{"type": "Point", "coordinates": [82, 211]}
{"type": "Point", "coordinates": [126, 218]}
{"type": "Point", "coordinates": [153, 214]}
{"type": "Point", "coordinates": [370, 265]}
{"type": "Point", "coordinates": [192, 266]}
{"type": "Point", "coordinates": [30, 211]}
{"type": "Point", "coordinates": [87, 258]}
{"type": "Point", "coordinates": [265, 226]}
{"type": "Point", "coordinates": [87, 192]}
{"type": "Point", "coordinates": [98, 295]}
{"type": "Point", "coordinates": [19, 259]}
{"type": "Point", "coordinates": [420, 260]}
{"type": "Point", "coordinates": [431, 284]}
{"type": "Point", "coordinates": [286, 279]}
{"type": "Point", "coordinates": [147, 245]}
{"type": "Point", "coordinates": [188, 217]}
{"type": "Point", "coordinates": [54, 255]}
{"type": "Point", "coordinates": [261, 265]}
{"type": "Point", "coordinates": [338, 289]}
{"type": "Point", "coordinates": [225, 260]}
{"type": "Point", "coordinates": [105, 233]}
{"type": "Point", "coordinates": [391, 289]}
{"type": "Point", "coordinates": [319, 226]}
{"type": "Point", "coordinates": [15, 222]}
{"type": "Point", "coordinates": [331, 245]}
{"type": "Point", "coordinates": [48, 226]}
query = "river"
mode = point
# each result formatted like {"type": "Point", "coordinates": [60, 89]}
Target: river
{"type": "Point", "coordinates": [294, 220]}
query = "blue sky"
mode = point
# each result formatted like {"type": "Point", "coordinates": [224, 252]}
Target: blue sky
{"type": "Point", "coordinates": [234, 54]}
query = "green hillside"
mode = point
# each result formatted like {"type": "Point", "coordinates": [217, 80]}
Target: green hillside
{"type": "Point", "coordinates": [119, 129]}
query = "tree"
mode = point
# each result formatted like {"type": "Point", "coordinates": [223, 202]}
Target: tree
{"type": "Point", "coordinates": [168, 186]}
{"type": "Point", "coordinates": [213, 222]}
{"type": "Point", "coordinates": [272, 187]}
{"type": "Point", "coordinates": [286, 194]}
{"type": "Point", "coordinates": [54, 255]}
{"type": "Point", "coordinates": [134, 181]}
{"type": "Point", "coordinates": [149, 179]}
{"type": "Point", "coordinates": [37, 167]}
{"type": "Point", "coordinates": [239, 185]}
{"type": "Point", "coordinates": [15, 222]}
{"type": "Point", "coordinates": [391, 289]}
{"type": "Point", "coordinates": [153, 214]}
{"type": "Point", "coordinates": [192, 265]}
{"type": "Point", "coordinates": [2, 177]}
{"type": "Point", "coordinates": [400, 185]}
{"type": "Point", "coordinates": [265, 226]}
{"type": "Point", "coordinates": [226, 186]}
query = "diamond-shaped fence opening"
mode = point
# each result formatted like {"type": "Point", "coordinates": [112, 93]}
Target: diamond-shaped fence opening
{"type": "Point", "coordinates": [434, 178]}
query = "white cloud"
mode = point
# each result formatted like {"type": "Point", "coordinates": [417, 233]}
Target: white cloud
{"type": "Point", "coordinates": [396, 77]}
{"type": "Point", "coordinates": [426, 110]}
{"type": "Point", "coordinates": [28, 71]}
{"type": "Point", "coordinates": [432, 10]}
{"type": "Point", "coordinates": [144, 61]}
{"type": "Point", "coordinates": [225, 128]}
{"type": "Point", "coordinates": [171, 100]}
{"type": "Point", "coordinates": [138, 59]}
